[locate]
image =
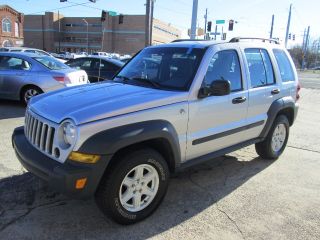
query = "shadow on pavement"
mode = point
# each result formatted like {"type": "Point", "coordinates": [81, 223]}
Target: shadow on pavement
{"type": "Point", "coordinates": [41, 213]}
{"type": "Point", "coordinates": [11, 109]}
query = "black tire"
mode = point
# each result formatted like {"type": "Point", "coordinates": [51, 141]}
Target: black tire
{"type": "Point", "coordinates": [107, 195]}
{"type": "Point", "coordinates": [35, 89]}
{"type": "Point", "coordinates": [264, 148]}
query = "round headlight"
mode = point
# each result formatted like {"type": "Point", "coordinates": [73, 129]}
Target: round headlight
{"type": "Point", "coordinates": [69, 133]}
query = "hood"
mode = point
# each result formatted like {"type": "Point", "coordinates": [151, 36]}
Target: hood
{"type": "Point", "coordinates": [92, 102]}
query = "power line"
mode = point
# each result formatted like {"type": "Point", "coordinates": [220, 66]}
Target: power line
{"type": "Point", "coordinates": [69, 6]}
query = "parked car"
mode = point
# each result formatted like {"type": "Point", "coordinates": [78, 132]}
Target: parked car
{"type": "Point", "coordinates": [25, 75]}
{"type": "Point", "coordinates": [120, 140]}
{"type": "Point", "coordinates": [125, 60]}
{"type": "Point", "coordinates": [98, 68]}
{"type": "Point", "coordinates": [99, 54]}
{"type": "Point", "coordinates": [28, 50]}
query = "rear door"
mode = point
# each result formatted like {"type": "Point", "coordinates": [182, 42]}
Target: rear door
{"type": "Point", "coordinates": [14, 72]}
{"type": "Point", "coordinates": [105, 69]}
{"type": "Point", "coordinates": [217, 122]}
{"type": "Point", "coordinates": [263, 89]}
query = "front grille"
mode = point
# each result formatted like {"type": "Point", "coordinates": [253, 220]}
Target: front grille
{"type": "Point", "coordinates": [39, 133]}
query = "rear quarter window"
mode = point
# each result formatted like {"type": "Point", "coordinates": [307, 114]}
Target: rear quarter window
{"type": "Point", "coordinates": [284, 65]}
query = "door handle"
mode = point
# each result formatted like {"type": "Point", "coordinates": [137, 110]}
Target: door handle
{"type": "Point", "coordinates": [275, 91]}
{"type": "Point", "coordinates": [239, 100]}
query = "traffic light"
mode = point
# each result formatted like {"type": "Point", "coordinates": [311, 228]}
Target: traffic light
{"type": "Point", "coordinates": [209, 26]}
{"type": "Point", "coordinates": [231, 22]}
{"type": "Point", "coordinates": [120, 19]}
{"type": "Point", "coordinates": [293, 37]}
{"type": "Point", "coordinates": [289, 37]}
{"type": "Point", "coordinates": [103, 15]}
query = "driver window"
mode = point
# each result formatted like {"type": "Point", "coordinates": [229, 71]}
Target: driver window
{"type": "Point", "coordinates": [225, 65]}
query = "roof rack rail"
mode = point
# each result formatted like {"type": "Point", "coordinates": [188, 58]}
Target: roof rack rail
{"type": "Point", "coordinates": [188, 40]}
{"type": "Point", "coordinates": [238, 39]}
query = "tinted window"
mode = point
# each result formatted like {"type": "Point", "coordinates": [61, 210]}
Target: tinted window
{"type": "Point", "coordinates": [104, 65]}
{"type": "Point", "coordinates": [225, 65]}
{"type": "Point", "coordinates": [260, 67]}
{"type": "Point", "coordinates": [11, 63]}
{"type": "Point", "coordinates": [284, 65]}
{"type": "Point", "coordinates": [84, 64]}
{"type": "Point", "coordinates": [169, 67]}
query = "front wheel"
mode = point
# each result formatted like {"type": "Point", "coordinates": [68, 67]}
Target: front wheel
{"type": "Point", "coordinates": [276, 140]}
{"type": "Point", "coordinates": [134, 187]}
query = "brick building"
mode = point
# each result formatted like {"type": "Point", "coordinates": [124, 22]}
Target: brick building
{"type": "Point", "coordinates": [11, 27]}
{"type": "Point", "coordinates": [126, 34]}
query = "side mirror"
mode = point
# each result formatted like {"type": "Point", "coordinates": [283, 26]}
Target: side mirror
{"type": "Point", "coordinates": [217, 88]}
{"type": "Point", "coordinates": [220, 88]}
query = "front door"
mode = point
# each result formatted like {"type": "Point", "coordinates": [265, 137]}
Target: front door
{"type": "Point", "coordinates": [217, 122]}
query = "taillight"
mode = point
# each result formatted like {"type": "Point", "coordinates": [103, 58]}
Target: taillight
{"type": "Point", "coordinates": [61, 79]}
{"type": "Point", "coordinates": [297, 93]}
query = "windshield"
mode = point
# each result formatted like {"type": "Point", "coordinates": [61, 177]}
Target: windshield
{"type": "Point", "coordinates": [171, 68]}
{"type": "Point", "coordinates": [50, 62]}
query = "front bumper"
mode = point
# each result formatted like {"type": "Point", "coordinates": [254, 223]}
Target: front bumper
{"type": "Point", "coordinates": [60, 176]}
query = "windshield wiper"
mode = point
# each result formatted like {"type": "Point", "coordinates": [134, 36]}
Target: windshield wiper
{"type": "Point", "coordinates": [146, 80]}
{"type": "Point", "coordinates": [124, 78]}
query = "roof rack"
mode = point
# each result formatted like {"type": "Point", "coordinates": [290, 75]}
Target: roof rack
{"type": "Point", "coordinates": [238, 39]}
{"type": "Point", "coordinates": [189, 40]}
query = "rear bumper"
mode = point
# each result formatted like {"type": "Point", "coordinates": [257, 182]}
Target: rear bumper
{"type": "Point", "coordinates": [60, 176]}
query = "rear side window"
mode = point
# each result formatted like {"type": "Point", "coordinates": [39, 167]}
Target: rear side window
{"type": "Point", "coordinates": [12, 63]}
{"type": "Point", "coordinates": [225, 65]}
{"type": "Point", "coordinates": [284, 65]}
{"type": "Point", "coordinates": [260, 67]}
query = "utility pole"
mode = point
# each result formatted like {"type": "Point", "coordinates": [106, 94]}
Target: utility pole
{"type": "Point", "coordinates": [288, 26]}
{"type": "Point", "coordinates": [272, 23]}
{"type": "Point", "coordinates": [205, 24]}
{"type": "Point", "coordinates": [151, 21]}
{"type": "Point", "coordinates": [147, 30]}
{"type": "Point", "coordinates": [304, 39]}
{"type": "Point", "coordinates": [194, 19]}
{"type": "Point", "coordinates": [216, 32]}
{"type": "Point", "coordinates": [87, 34]}
{"type": "Point", "coordinates": [59, 27]}
{"type": "Point", "coordinates": [305, 49]}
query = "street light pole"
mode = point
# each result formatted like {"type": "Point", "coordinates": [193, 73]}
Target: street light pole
{"type": "Point", "coordinates": [87, 34]}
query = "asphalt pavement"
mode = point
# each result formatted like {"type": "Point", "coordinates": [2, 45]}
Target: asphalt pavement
{"type": "Point", "coordinates": [238, 196]}
{"type": "Point", "coordinates": [310, 79]}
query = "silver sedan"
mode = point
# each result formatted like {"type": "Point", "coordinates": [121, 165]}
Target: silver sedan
{"type": "Point", "coordinates": [24, 75]}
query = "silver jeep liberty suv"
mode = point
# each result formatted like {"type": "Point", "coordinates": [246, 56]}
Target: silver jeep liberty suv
{"type": "Point", "coordinates": [169, 107]}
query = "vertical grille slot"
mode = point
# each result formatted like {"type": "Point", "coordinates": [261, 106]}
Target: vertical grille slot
{"type": "Point", "coordinates": [43, 136]}
{"type": "Point", "coordinates": [39, 133]}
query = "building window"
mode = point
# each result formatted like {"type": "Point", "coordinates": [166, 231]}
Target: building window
{"type": "Point", "coordinates": [16, 29]}
{"type": "Point", "coordinates": [6, 25]}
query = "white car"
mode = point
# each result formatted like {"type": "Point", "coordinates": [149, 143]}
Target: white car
{"type": "Point", "coordinates": [29, 50]}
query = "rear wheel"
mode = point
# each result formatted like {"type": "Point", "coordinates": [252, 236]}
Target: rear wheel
{"type": "Point", "coordinates": [133, 188]}
{"type": "Point", "coordinates": [29, 92]}
{"type": "Point", "coordinates": [276, 140]}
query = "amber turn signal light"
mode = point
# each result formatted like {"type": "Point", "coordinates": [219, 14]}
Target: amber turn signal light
{"type": "Point", "coordinates": [84, 158]}
{"type": "Point", "coordinates": [80, 183]}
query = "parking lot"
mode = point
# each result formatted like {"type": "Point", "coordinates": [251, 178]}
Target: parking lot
{"type": "Point", "coordinates": [238, 196]}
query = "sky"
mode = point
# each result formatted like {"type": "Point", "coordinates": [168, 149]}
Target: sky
{"type": "Point", "coordinates": [253, 16]}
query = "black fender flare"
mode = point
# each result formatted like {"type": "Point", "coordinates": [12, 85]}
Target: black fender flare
{"type": "Point", "coordinates": [275, 108]}
{"type": "Point", "coordinates": [109, 141]}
